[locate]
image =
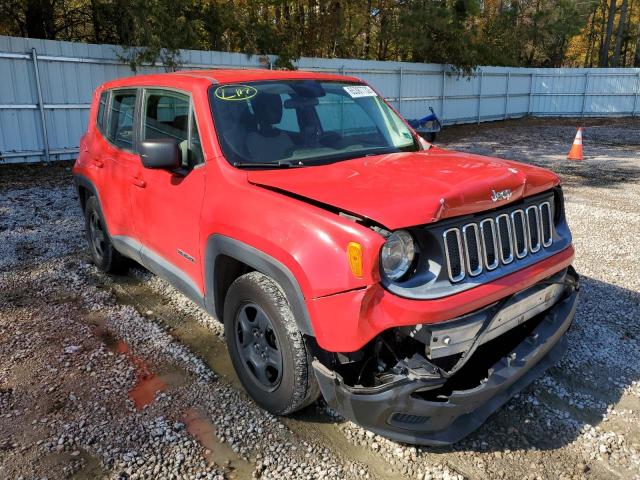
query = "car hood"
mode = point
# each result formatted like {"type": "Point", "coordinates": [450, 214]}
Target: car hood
{"type": "Point", "coordinates": [406, 189]}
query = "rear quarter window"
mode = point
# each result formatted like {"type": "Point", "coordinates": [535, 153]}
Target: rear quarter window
{"type": "Point", "coordinates": [101, 119]}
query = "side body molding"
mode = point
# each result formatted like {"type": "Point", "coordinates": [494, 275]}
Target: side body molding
{"type": "Point", "coordinates": [133, 249]}
{"type": "Point", "coordinates": [222, 245]}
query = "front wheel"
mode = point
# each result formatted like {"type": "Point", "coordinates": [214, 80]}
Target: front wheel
{"type": "Point", "coordinates": [266, 348]}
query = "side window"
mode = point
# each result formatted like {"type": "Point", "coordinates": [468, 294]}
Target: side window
{"type": "Point", "coordinates": [101, 119]}
{"type": "Point", "coordinates": [165, 114]}
{"type": "Point", "coordinates": [120, 131]}
{"type": "Point", "coordinates": [196, 157]}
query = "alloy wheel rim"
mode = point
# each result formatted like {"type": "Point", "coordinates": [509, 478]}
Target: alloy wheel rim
{"type": "Point", "coordinates": [258, 346]}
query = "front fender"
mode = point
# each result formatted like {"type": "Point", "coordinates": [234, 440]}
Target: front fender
{"type": "Point", "coordinates": [222, 245]}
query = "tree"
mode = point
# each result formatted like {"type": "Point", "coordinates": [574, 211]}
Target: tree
{"type": "Point", "coordinates": [636, 61]}
{"type": "Point", "coordinates": [615, 60]}
{"type": "Point", "coordinates": [604, 48]}
{"type": "Point", "coordinates": [463, 33]}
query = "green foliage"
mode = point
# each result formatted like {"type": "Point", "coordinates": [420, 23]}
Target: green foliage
{"type": "Point", "coordinates": [462, 33]}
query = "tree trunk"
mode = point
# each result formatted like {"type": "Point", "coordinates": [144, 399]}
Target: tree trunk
{"type": "Point", "coordinates": [95, 20]}
{"type": "Point", "coordinates": [604, 51]}
{"type": "Point", "coordinates": [39, 19]}
{"type": "Point", "coordinates": [626, 41]}
{"type": "Point", "coordinates": [367, 33]}
{"type": "Point", "coordinates": [591, 39]}
{"type": "Point", "coordinates": [636, 61]}
{"type": "Point", "coordinates": [615, 61]}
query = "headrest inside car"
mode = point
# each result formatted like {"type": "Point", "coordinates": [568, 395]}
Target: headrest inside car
{"type": "Point", "coordinates": [300, 102]}
{"type": "Point", "coordinates": [267, 108]}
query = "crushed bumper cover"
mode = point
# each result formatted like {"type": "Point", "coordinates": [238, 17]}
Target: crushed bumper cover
{"type": "Point", "coordinates": [395, 411]}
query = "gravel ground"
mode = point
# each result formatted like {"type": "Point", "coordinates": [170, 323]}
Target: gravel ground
{"type": "Point", "coordinates": [82, 353]}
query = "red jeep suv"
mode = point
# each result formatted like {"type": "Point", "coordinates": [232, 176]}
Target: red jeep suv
{"type": "Point", "coordinates": [416, 289]}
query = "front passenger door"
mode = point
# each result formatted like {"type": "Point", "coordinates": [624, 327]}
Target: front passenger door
{"type": "Point", "coordinates": [168, 203]}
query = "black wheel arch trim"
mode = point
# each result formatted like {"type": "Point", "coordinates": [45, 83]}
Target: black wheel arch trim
{"type": "Point", "coordinates": [85, 182]}
{"type": "Point", "coordinates": [222, 245]}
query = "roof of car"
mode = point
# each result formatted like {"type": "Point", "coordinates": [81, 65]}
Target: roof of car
{"type": "Point", "coordinates": [223, 76]}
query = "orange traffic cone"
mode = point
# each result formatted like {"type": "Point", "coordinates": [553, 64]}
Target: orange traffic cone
{"type": "Point", "coordinates": [576, 149]}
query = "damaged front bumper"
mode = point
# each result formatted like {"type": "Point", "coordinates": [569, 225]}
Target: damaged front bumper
{"type": "Point", "coordinates": [421, 404]}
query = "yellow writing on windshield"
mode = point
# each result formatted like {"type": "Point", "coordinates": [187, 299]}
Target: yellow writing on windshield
{"type": "Point", "coordinates": [235, 92]}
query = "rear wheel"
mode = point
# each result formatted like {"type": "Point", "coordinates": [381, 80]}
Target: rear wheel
{"type": "Point", "coordinates": [266, 348]}
{"type": "Point", "coordinates": [106, 258]}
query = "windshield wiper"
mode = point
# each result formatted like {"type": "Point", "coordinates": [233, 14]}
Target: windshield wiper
{"type": "Point", "coordinates": [280, 164]}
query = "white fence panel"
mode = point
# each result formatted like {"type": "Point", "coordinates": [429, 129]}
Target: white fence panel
{"type": "Point", "coordinates": [43, 116]}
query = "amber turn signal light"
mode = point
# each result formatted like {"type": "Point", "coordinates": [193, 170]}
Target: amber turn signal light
{"type": "Point", "coordinates": [354, 253]}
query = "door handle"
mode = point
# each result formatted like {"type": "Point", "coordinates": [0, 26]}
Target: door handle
{"type": "Point", "coordinates": [139, 182]}
{"type": "Point", "coordinates": [97, 162]}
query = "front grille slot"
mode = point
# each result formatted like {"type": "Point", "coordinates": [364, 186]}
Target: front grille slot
{"type": "Point", "coordinates": [472, 252]}
{"type": "Point", "coordinates": [453, 250]}
{"type": "Point", "coordinates": [546, 222]}
{"type": "Point", "coordinates": [533, 225]}
{"type": "Point", "coordinates": [490, 243]}
{"type": "Point", "coordinates": [519, 233]}
{"type": "Point", "coordinates": [505, 238]}
{"type": "Point", "coordinates": [408, 419]}
{"type": "Point", "coordinates": [499, 240]}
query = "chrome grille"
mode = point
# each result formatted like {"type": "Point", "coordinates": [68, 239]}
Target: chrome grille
{"type": "Point", "coordinates": [479, 246]}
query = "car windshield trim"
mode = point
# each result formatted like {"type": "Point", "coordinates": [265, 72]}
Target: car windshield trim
{"type": "Point", "coordinates": [301, 123]}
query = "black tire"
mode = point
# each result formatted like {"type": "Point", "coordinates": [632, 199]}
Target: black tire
{"type": "Point", "coordinates": [105, 257]}
{"type": "Point", "coordinates": [259, 325]}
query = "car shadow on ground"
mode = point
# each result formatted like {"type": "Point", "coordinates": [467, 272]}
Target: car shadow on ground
{"type": "Point", "coordinates": [603, 360]}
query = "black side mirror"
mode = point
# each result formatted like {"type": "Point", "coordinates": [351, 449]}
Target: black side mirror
{"type": "Point", "coordinates": [161, 153]}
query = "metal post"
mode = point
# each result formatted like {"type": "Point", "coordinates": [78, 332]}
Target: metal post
{"type": "Point", "coordinates": [444, 90]}
{"type": "Point", "coordinates": [635, 97]}
{"type": "Point", "coordinates": [584, 94]}
{"type": "Point", "coordinates": [400, 92]}
{"type": "Point", "coordinates": [45, 135]}
{"type": "Point", "coordinates": [479, 97]}
{"type": "Point", "coordinates": [506, 100]}
{"type": "Point", "coordinates": [533, 76]}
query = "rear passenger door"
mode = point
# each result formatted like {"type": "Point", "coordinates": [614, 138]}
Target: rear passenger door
{"type": "Point", "coordinates": [167, 204]}
{"type": "Point", "coordinates": [119, 160]}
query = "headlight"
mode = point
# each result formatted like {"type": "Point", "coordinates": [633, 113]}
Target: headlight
{"type": "Point", "coordinates": [397, 254]}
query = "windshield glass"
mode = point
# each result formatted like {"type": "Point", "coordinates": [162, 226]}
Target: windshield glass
{"type": "Point", "coordinates": [304, 122]}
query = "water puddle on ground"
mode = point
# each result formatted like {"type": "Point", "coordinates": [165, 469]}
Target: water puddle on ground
{"type": "Point", "coordinates": [148, 384]}
{"type": "Point", "coordinates": [200, 427]}
{"type": "Point", "coordinates": [310, 423]}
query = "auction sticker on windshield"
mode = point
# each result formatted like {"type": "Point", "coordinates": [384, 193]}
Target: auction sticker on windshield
{"type": "Point", "coordinates": [359, 91]}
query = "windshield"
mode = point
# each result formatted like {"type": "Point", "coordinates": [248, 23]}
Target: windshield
{"type": "Point", "coordinates": [304, 122]}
